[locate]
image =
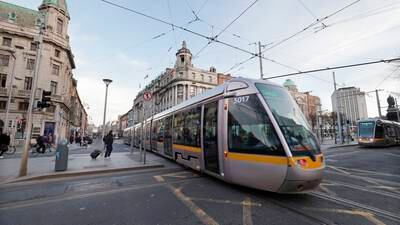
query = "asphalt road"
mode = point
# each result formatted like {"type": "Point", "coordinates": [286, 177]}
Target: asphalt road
{"type": "Point", "coordinates": [361, 186]}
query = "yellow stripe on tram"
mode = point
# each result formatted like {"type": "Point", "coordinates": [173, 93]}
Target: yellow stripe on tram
{"type": "Point", "coordinates": [187, 148]}
{"type": "Point", "coordinates": [278, 160]}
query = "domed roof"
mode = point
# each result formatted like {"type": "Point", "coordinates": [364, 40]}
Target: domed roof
{"type": "Point", "coordinates": [184, 49]}
{"type": "Point", "coordinates": [61, 4]}
{"type": "Point", "coordinates": [288, 83]}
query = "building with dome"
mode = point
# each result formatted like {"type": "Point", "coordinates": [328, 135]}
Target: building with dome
{"type": "Point", "coordinates": [19, 29]}
{"type": "Point", "coordinates": [176, 85]}
{"type": "Point", "coordinates": [309, 104]}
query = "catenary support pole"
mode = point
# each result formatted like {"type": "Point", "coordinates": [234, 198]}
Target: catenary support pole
{"type": "Point", "coordinates": [379, 103]}
{"type": "Point", "coordinates": [337, 110]}
{"type": "Point", "coordinates": [260, 57]}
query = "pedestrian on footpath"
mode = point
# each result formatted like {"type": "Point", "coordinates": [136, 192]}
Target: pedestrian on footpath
{"type": "Point", "coordinates": [4, 143]}
{"type": "Point", "coordinates": [108, 141]}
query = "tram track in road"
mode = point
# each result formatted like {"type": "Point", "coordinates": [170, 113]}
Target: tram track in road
{"type": "Point", "coordinates": [376, 181]}
{"type": "Point", "coordinates": [361, 188]}
{"type": "Point", "coordinates": [349, 203]}
{"type": "Point", "coordinates": [304, 213]}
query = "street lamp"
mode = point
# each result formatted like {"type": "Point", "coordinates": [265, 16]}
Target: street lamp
{"type": "Point", "coordinates": [107, 82]}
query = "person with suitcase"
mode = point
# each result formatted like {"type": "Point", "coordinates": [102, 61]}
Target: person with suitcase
{"type": "Point", "coordinates": [108, 141]}
{"type": "Point", "coordinates": [95, 154]}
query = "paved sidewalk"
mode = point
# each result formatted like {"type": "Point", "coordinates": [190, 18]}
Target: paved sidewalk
{"type": "Point", "coordinates": [330, 143]}
{"type": "Point", "coordinates": [78, 164]}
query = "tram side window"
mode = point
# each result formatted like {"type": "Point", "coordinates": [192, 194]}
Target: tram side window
{"type": "Point", "coordinates": [154, 126]}
{"type": "Point", "coordinates": [379, 131]}
{"type": "Point", "coordinates": [160, 131]}
{"type": "Point", "coordinates": [178, 128]}
{"type": "Point", "coordinates": [147, 130]}
{"type": "Point", "coordinates": [249, 128]}
{"type": "Point", "coordinates": [390, 131]}
{"type": "Point", "coordinates": [191, 131]}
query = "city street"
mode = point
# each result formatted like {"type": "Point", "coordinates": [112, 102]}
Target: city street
{"type": "Point", "coordinates": [361, 186]}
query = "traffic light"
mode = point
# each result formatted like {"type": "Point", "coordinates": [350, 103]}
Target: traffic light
{"type": "Point", "coordinates": [45, 102]}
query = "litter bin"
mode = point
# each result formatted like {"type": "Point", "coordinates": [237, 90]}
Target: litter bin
{"type": "Point", "coordinates": [61, 156]}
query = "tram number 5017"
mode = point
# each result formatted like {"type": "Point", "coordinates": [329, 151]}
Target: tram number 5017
{"type": "Point", "coordinates": [241, 99]}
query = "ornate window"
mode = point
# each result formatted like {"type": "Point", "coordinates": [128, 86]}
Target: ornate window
{"type": "Point", "coordinates": [3, 80]}
{"type": "Point", "coordinates": [60, 24]}
{"type": "Point", "coordinates": [7, 41]}
{"type": "Point", "coordinates": [4, 60]}
{"type": "Point", "coordinates": [30, 64]}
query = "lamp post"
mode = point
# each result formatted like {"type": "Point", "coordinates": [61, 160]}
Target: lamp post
{"type": "Point", "coordinates": [107, 82]}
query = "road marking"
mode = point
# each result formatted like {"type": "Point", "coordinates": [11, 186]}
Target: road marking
{"type": "Point", "coordinates": [198, 212]}
{"type": "Point", "coordinates": [369, 216]}
{"type": "Point", "coordinates": [386, 187]}
{"type": "Point", "coordinates": [368, 172]}
{"type": "Point", "coordinates": [367, 179]}
{"type": "Point", "coordinates": [326, 190]}
{"type": "Point", "coordinates": [247, 220]}
{"type": "Point", "coordinates": [331, 160]}
{"type": "Point", "coordinates": [222, 201]}
{"type": "Point", "coordinates": [363, 188]}
{"type": "Point", "coordinates": [159, 178]}
{"type": "Point", "coordinates": [339, 170]}
{"type": "Point", "coordinates": [35, 202]}
{"type": "Point", "coordinates": [392, 154]}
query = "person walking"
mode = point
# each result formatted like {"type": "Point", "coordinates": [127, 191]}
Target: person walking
{"type": "Point", "coordinates": [108, 141]}
{"type": "Point", "coordinates": [40, 142]}
{"type": "Point", "coordinates": [4, 143]}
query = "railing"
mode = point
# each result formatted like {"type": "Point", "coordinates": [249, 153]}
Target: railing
{"type": "Point", "coordinates": [27, 93]}
{"type": "Point", "coordinates": [3, 91]}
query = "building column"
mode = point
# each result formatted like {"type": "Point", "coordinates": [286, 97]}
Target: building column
{"type": "Point", "coordinates": [176, 94]}
{"type": "Point", "coordinates": [184, 92]}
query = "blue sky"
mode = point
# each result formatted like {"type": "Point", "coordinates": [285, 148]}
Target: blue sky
{"type": "Point", "coordinates": [112, 43]}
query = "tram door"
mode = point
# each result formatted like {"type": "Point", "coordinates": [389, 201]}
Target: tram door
{"type": "Point", "coordinates": [168, 136]}
{"type": "Point", "coordinates": [210, 137]}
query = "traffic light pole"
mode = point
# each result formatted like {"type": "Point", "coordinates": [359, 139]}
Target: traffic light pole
{"type": "Point", "coordinates": [25, 154]}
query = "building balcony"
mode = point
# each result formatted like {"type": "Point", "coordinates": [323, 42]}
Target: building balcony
{"type": "Point", "coordinates": [25, 94]}
{"type": "Point", "coordinates": [3, 92]}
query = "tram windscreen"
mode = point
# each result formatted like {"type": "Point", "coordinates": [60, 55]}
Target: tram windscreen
{"type": "Point", "coordinates": [291, 120]}
{"type": "Point", "coordinates": [366, 129]}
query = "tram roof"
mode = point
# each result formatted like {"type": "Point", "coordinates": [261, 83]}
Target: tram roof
{"type": "Point", "coordinates": [218, 90]}
{"type": "Point", "coordinates": [377, 119]}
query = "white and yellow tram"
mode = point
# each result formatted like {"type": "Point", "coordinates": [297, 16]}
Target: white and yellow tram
{"type": "Point", "coordinates": [247, 132]}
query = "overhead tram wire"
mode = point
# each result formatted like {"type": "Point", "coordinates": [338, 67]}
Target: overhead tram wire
{"type": "Point", "coordinates": [196, 33]}
{"type": "Point", "coordinates": [334, 68]}
{"type": "Point", "coordinates": [301, 31]}
{"type": "Point", "coordinates": [312, 14]}
{"type": "Point", "coordinates": [226, 27]}
{"type": "Point", "coordinates": [385, 78]}
{"type": "Point", "coordinates": [311, 25]}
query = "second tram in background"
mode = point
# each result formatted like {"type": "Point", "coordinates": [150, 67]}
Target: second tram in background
{"type": "Point", "coordinates": [247, 132]}
{"type": "Point", "coordinates": [378, 132]}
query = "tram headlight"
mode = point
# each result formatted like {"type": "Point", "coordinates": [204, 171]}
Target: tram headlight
{"type": "Point", "coordinates": [371, 140]}
{"type": "Point", "coordinates": [302, 162]}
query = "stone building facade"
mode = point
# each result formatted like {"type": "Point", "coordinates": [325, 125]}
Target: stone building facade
{"type": "Point", "coordinates": [176, 85]}
{"type": "Point", "coordinates": [19, 29]}
{"type": "Point", "coordinates": [309, 104]}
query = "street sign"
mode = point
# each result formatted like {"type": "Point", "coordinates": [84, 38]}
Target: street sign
{"type": "Point", "coordinates": [147, 96]}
